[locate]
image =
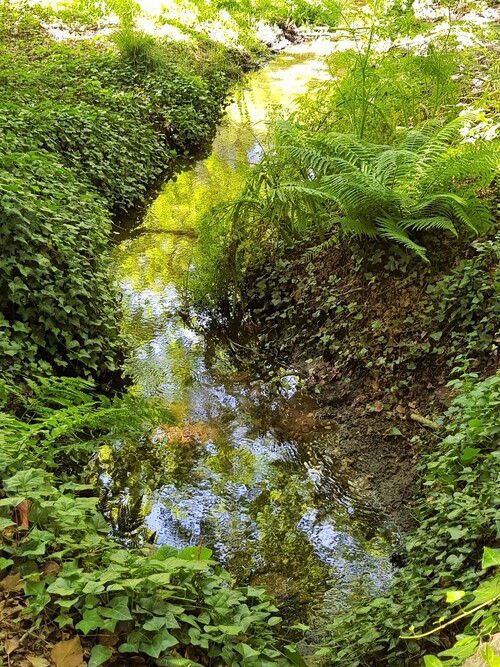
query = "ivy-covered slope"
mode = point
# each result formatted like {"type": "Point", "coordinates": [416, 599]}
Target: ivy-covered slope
{"type": "Point", "coordinates": [85, 130]}
{"type": "Point", "coordinates": [443, 576]}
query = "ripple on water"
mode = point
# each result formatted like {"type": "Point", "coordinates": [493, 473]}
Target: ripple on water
{"type": "Point", "coordinates": [247, 471]}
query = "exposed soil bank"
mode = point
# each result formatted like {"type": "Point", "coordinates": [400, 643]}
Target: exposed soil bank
{"type": "Point", "coordinates": [376, 341]}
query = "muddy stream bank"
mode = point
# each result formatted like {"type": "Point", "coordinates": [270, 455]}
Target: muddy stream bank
{"type": "Point", "coordinates": [256, 472]}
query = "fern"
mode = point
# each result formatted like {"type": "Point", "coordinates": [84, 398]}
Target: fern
{"type": "Point", "coordinates": [65, 420]}
{"type": "Point", "coordinates": [311, 183]}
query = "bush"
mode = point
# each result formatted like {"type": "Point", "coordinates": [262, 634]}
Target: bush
{"type": "Point", "coordinates": [84, 132]}
{"type": "Point", "coordinates": [56, 296]}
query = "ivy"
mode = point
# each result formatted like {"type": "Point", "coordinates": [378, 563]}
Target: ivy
{"type": "Point", "coordinates": [56, 296]}
{"type": "Point", "coordinates": [84, 134]}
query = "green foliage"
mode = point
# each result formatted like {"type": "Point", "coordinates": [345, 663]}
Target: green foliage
{"type": "Point", "coordinates": [55, 417]}
{"type": "Point", "coordinates": [380, 92]}
{"type": "Point", "coordinates": [58, 306]}
{"type": "Point", "coordinates": [481, 612]}
{"type": "Point", "coordinates": [311, 185]}
{"type": "Point", "coordinates": [457, 516]}
{"type": "Point", "coordinates": [140, 50]}
{"type": "Point", "coordinates": [84, 132]}
{"type": "Point", "coordinates": [246, 12]}
{"type": "Point", "coordinates": [338, 331]}
{"type": "Point", "coordinates": [465, 303]}
{"type": "Point", "coordinates": [153, 599]}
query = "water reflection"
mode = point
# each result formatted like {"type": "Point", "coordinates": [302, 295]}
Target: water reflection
{"type": "Point", "coordinates": [245, 470]}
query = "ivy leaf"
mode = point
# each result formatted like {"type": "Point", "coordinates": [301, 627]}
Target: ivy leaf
{"type": "Point", "coordinates": [160, 642]}
{"type": "Point", "coordinates": [454, 596]}
{"type": "Point", "coordinates": [99, 654]}
{"type": "Point", "coordinates": [246, 651]}
{"type": "Point", "coordinates": [154, 624]}
{"type": "Point", "coordinates": [93, 587]}
{"type": "Point", "coordinates": [432, 661]}
{"type": "Point", "coordinates": [274, 620]}
{"type": "Point", "coordinates": [469, 453]}
{"type": "Point", "coordinates": [5, 523]}
{"type": "Point", "coordinates": [491, 558]}
{"type": "Point", "coordinates": [168, 661]}
{"type": "Point", "coordinates": [61, 587]}
{"type": "Point", "coordinates": [456, 533]}
{"type": "Point", "coordinates": [118, 609]}
{"type": "Point", "coordinates": [90, 621]}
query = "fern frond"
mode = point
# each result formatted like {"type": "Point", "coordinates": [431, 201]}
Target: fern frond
{"type": "Point", "coordinates": [311, 254]}
{"type": "Point", "coordinates": [353, 227]}
{"type": "Point", "coordinates": [425, 224]}
{"type": "Point", "coordinates": [348, 147]}
{"type": "Point", "coordinates": [360, 196]}
{"type": "Point", "coordinates": [391, 230]}
{"type": "Point", "coordinates": [318, 161]}
{"type": "Point", "coordinates": [311, 181]}
{"type": "Point", "coordinates": [392, 164]}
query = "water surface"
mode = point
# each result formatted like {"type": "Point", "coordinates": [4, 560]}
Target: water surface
{"type": "Point", "coordinates": [248, 470]}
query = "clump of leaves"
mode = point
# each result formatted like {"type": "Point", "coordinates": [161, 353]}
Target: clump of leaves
{"type": "Point", "coordinates": [480, 609]}
{"type": "Point", "coordinates": [465, 303]}
{"type": "Point", "coordinates": [57, 300]}
{"type": "Point", "coordinates": [395, 193]}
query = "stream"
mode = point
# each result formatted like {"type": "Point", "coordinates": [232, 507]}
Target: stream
{"type": "Point", "coordinates": [247, 471]}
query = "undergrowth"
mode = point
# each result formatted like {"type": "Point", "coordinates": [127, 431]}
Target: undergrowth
{"type": "Point", "coordinates": [85, 132]}
{"type": "Point", "coordinates": [384, 317]}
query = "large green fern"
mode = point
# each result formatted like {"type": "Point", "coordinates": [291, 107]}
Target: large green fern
{"type": "Point", "coordinates": [310, 183]}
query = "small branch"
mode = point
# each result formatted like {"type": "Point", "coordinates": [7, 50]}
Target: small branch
{"type": "Point", "coordinates": [453, 620]}
{"type": "Point", "coordinates": [424, 421]}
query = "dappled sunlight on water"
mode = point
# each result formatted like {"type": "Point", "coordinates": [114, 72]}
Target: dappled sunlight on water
{"type": "Point", "coordinates": [247, 469]}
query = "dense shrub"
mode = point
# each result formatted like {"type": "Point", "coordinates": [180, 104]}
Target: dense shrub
{"type": "Point", "coordinates": [84, 132]}
{"type": "Point", "coordinates": [57, 300]}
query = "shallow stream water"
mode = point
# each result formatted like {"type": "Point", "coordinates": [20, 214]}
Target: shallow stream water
{"type": "Point", "coordinates": [248, 471]}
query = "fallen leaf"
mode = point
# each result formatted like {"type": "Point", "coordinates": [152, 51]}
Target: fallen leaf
{"type": "Point", "coordinates": [12, 582]}
{"type": "Point", "coordinates": [378, 406]}
{"type": "Point", "coordinates": [68, 653]}
{"type": "Point", "coordinates": [10, 645]}
{"type": "Point", "coordinates": [22, 514]}
{"type": "Point", "coordinates": [109, 639]}
{"type": "Point", "coordinates": [37, 661]}
{"type": "Point", "coordinates": [50, 568]}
